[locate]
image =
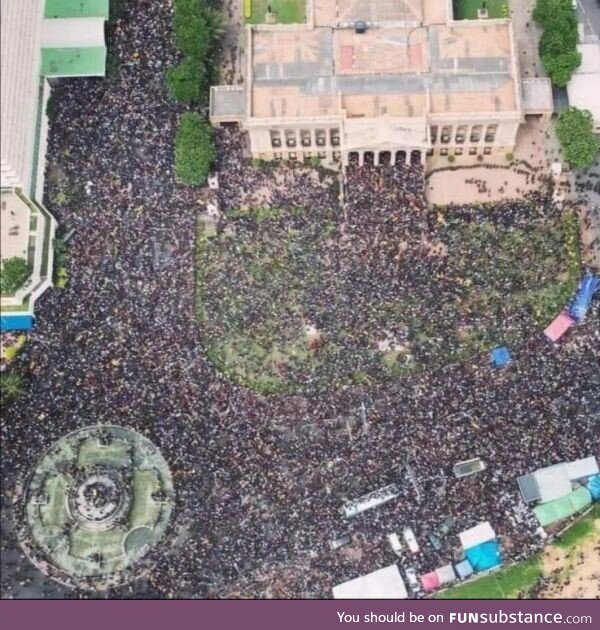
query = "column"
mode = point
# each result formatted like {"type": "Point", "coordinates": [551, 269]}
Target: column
{"type": "Point", "coordinates": [361, 158]}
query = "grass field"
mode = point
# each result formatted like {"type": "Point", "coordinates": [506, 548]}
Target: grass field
{"type": "Point", "coordinates": [286, 305]}
{"type": "Point", "coordinates": [144, 511]}
{"type": "Point", "coordinates": [467, 9]}
{"type": "Point", "coordinates": [92, 453]}
{"type": "Point", "coordinates": [504, 584]}
{"type": "Point", "coordinates": [287, 11]}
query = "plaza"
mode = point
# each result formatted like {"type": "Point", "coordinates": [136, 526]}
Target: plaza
{"type": "Point", "coordinates": [97, 501]}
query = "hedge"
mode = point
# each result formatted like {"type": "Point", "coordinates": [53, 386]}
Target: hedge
{"type": "Point", "coordinates": [194, 150]}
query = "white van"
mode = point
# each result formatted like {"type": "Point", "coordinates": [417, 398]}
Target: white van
{"type": "Point", "coordinates": [410, 539]}
{"type": "Point", "coordinates": [395, 543]}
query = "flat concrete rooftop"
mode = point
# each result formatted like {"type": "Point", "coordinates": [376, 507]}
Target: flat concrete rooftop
{"type": "Point", "coordinates": [387, 70]}
{"type": "Point", "coordinates": [333, 12]}
{"type": "Point", "coordinates": [14, 226]}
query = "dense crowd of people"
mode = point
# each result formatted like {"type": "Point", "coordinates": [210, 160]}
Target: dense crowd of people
{"type": "Point", "coordinates": [259, 480]}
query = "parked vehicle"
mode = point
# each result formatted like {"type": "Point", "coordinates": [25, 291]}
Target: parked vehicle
{"type": "Point", "coordinates": [435, 541]}
{"type": "Point", "coordinates": [411, 578]}
{"type": "Point", "coordinates": [341, 541]}
{"type": "Point", "coordinates": [395, 543]}
{"type": "Point", "coordinates": [410, 539]}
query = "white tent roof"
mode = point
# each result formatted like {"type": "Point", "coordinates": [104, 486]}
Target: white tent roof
{"type": "Point", "coordinates": [446, 574]}
{"type": "Point", "coordinates": [581, 468]}
{"type": "Point", "coordinates": [384, 583]}
{"type": "Point", "coordinates": [476, 535]}
{"type": "Point", "coordinates": [553, 482]}
{"type": "Point", "coordinates": [73, 33]}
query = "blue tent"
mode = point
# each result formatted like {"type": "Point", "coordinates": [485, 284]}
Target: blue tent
{"type": "Point", "coordinates": [484, 556]}
{"type": "Point", "coordinates": [16, 322]}
{"type": "Point", "coordinates": [501, 357]}
{"type": "Point", "coordinates": [463, 569]}
{"type": "Point", "coordinates": [593, 485]}
{"type": "Point", "coordinates": [583, 298]}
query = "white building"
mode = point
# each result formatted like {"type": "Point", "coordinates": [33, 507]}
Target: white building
{"type": "Point", "coordinates": [380, 81]}
{"type": "Point", "coordinates": [386, 583]}
{"type": "Point", "coordinates": [40, 40]}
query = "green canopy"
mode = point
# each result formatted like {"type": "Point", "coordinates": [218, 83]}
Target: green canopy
{"type": "Point", "coordinates": [559, 509]}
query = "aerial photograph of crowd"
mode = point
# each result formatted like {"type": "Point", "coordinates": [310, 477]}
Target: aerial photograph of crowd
{"type": "Point", "coordinates": [300, 299]}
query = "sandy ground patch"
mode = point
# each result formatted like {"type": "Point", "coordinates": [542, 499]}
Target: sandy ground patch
{"type": "Point", "coordinates": [480, 185]}
{"type": "Point", "coordinates": [578, 570]}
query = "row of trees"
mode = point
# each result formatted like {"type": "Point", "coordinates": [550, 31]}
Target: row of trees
{"type": "Point", "coordinates": [558, 44]}
{"type": "Point", "coordinates": [198, 29]}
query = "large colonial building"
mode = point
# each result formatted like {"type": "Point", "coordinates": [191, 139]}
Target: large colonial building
{"type": "Point", "coordinates": [382, 80]}
{"type": "Point", "coordinates": [41, 40]}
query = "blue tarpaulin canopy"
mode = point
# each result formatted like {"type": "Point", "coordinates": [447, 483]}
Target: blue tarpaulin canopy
{"type": "Point", "coordinates": [583, 298]}
{"type": "Point", "coordinates": [501, 357]}
{"type": "Point", "coordinates": [16, 322]}
{"type": "Point", "coordinates": [593, 485]}
{"type": "Point", "coordinates": [463, 569]}
{"type": "Point", "coordinates": [484, 556]}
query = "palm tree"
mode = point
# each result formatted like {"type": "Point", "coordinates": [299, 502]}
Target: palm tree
{"type": "Point", "coordinates": [216, 23]}
{"type": "Point", "coordinates": [11, 386]}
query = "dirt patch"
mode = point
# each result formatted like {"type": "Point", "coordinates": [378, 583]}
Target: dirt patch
{"type": "Point", "coordinates": [576, 571]}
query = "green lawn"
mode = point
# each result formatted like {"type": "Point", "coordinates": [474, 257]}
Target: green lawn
{"type": "Point", "coordinates": [269, 277]}
{"type": "Point", "coordinates": [467, 9]}
{"type": "Point", "coordinates": [504, 584]}
{"type": "Point", "coordinates": [92, 453]}
{"type": "Point", "coordinates": [580, 530]}
{"type": "Point", "coordinates": [287, 11]}
{"type": "Point", "coordinates": [144, 510]}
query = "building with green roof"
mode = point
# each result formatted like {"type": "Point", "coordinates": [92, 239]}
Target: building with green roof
{"type": "Point", "coordinates": [42, 40]}
{"type": "Point", "coordinates": [76, 9]}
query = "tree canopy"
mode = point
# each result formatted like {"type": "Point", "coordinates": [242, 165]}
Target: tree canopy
{"type": "Point", "coordinates": [198, 29]}
{"type": "Point", "coordinates": [558, 44]}
{"type": "Point", "coordinates": [14, 272]}
{"type": "Point", "coordinates": [194, 149]}
{"type": "Point", "coordinates": [575, 131]}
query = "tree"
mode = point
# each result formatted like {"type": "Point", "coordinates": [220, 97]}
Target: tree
{"type": "Point", "coordinates": [192, 36]}
{"type": "Point", "coordinates": [194, 150]}
{"type": "Point", "coordinates": [547, 11]}
{"type": "Point", "coordinates": [187, 81]}
{"type": "Point", "coordinates": [13, 274]}
{"type": "Point", "coordinates": [560, 68]}
{"type": "Point", "coordinates": [216, 23]}
{"type": "Point", "coordinates": [575, 131]}
{"type": "Point", "coordinates": [11, 386]}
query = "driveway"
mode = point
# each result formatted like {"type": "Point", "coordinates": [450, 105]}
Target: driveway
{"type": "Point", "coordinates": [589, 15]}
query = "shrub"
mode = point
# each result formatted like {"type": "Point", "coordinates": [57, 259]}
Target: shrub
{"type": "Point", "coordinates": [187, 81]}
{"type": "Point", "coordinates": [510, 157]}
{"type": "Point", "coordinates": [11, 386]}
{"type": "Point", "coordinates": [194, 150]}
{"type": "Point", "coordinates": [575, 131]}
{"type": "Point", "coordinates": [451, 159]}
{"type": "Point", "coordinates": [13, 274]}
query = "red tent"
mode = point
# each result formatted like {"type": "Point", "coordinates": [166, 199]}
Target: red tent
{"type": "Point", "coordinates": [559, 327]}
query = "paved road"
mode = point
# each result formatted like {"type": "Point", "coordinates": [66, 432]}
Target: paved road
{"type": "Point", "coordinates": [589, 12]}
